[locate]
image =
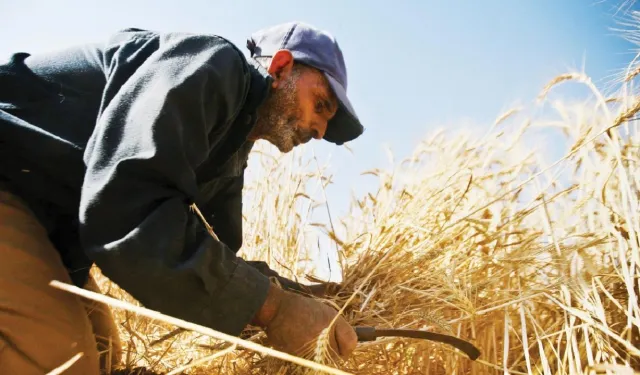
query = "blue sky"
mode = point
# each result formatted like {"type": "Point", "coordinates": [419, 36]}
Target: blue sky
{"type": "Point", "coordinates": [413, 65]}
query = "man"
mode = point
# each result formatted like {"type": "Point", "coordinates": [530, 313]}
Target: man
{"type": "Point", "coordinates": [103, 148]}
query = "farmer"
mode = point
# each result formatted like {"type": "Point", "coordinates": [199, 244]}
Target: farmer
{"type": "Point", "coordinates": [103, 149]}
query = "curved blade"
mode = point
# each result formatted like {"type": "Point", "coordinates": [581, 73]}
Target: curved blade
{"type": "Point", "coordinates": [371, 333]}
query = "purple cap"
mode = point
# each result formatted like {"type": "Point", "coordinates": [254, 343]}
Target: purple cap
{"type": "Point", "coordinates": [320, 50]}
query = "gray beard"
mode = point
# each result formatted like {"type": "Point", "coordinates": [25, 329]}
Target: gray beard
{"type": "Point", "coordinates": [278, 117]}
{"type": "Point", "coordinates": [283, 134]}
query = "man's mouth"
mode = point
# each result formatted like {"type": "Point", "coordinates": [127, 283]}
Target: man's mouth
{"type": "Point", "coordinates": [302, 139]}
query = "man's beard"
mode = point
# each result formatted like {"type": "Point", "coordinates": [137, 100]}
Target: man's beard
{"type": "Point", "coordinates": [279, 118]}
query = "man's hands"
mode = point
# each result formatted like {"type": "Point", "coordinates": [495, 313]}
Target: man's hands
{"type": "Point", "coordinates": [293, 322]}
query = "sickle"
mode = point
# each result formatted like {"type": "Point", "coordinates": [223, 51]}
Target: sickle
{"type": "Point", "coordinates": [372, 333]}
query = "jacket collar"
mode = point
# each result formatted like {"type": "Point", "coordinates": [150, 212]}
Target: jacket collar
{"type": "Point", "coordinates": [261, 82]}
{"type": "Point", "coordinates": [236, 147]}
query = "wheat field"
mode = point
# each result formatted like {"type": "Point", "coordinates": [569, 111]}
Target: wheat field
{"type": "Point", "coordinates": [534, 261]}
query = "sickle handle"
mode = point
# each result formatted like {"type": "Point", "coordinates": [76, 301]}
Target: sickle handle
{"type": "Point", "coordinates": [366, 333]}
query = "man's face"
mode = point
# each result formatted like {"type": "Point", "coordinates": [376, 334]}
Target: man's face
{"type": "Point", "coordinates": [298, 109]}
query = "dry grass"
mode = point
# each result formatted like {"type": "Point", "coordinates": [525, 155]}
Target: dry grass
{"type": "Point", "coordinates": [538, 265]}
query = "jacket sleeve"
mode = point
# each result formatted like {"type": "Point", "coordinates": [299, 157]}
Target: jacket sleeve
{"type": "Point", "coordinates": [135, 220]}
{"type": "Point", "coordinates": [225, 217]}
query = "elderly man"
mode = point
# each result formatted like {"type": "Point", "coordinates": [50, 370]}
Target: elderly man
{"type": "Point", "coordinates": [104, 147]}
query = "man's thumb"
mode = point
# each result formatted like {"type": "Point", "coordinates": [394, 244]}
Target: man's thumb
{"type": "Point", "coordinates": [346, 338]}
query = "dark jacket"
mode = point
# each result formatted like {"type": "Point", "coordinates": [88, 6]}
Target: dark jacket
{"type": "Point", "coordinates": [110, 143]}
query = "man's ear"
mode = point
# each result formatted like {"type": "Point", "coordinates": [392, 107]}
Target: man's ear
{"type": "Point", "coordinates": [281, 66]}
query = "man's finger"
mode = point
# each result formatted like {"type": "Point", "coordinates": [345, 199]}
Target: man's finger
{"type": "Point", "coordinates": [346, 338]}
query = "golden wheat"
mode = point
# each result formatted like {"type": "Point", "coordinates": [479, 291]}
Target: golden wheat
{"type": "Point", "coordinates": [536, 262]}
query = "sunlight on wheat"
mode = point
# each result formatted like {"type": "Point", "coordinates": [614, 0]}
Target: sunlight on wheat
{"type": "Point", "coordinates": [534, 259]}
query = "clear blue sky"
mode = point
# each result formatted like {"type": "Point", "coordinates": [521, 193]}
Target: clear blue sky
{"type": "Point", "coordinates": [412, 65]}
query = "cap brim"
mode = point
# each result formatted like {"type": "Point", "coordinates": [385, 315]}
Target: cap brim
{"type": "Point", "coordinates": [345, 125]}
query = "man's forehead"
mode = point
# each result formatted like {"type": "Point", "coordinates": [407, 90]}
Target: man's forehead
{"type": "Point", "coordinates": [315, 77]}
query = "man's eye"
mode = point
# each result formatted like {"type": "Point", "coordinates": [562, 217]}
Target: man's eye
{"type": "Point", "coordinates": [319, 107]}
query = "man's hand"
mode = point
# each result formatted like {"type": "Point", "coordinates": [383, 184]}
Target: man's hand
{"type": "Point", "coordinates": [293, 323]}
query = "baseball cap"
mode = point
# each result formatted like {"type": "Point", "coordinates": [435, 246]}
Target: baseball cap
{"type": "Point", "coordinates": [319, 49]}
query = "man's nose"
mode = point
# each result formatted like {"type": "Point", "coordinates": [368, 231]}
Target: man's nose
{"type": "Point", "coordinates": [318, 130]}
